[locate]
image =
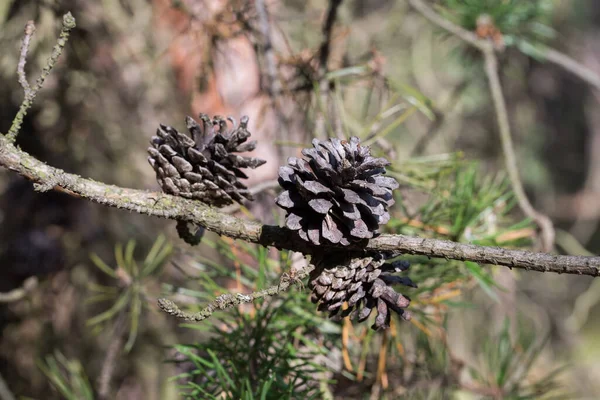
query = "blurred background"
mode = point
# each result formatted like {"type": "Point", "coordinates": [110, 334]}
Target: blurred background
{"type": "Point", "coordinates": [77, 319]}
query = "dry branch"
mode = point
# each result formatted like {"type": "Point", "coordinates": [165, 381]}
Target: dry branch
{"type": "Point", "coordinates": [67, 26]}
{"type": "Point", "coordinates": [162, 205]}
{"type": "Point", "coordinates": [230, 300]}
{"type": "Point", "coordinates": [488, 51]}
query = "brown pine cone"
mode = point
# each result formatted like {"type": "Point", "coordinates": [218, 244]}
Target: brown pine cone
{"type": "Point", "coordinates": [337, 192]}
{"type": "Point", "coordinates": [204, 166]}
{"type": "Point", "coordinates": [365, 283]}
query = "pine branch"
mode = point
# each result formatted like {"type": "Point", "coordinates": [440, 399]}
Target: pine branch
{"type": "Point", "coordinates": [163, 205]}
{"type": "Point", "coordinates": [549, 54]}
{"type": "Point", "coordinates": [230, 300]}
{"type": "Point", "coordinates": [29, 31]}
{"type": "Point", "coordinates": [545, 224]}
{"type": "Point", "coordinates": [575, 67]}
{"type": "Point", "coordinates": [488, 51]}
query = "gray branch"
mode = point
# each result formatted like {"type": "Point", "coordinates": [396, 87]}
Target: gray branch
{"type": "Point", "coordinates": [29, 31]}
{"type": "Point", "coordinates": [166, 206]}
{"type": "Point", "coordinates": [230, 300]}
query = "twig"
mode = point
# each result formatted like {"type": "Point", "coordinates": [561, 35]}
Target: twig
{"type": "Point", "coordinates": [29, 31]}
{"type": "Point", "coordinates": [67, 26]}
{"type": "Point", "coordinates": [545, 224]}
{"type": "Point", "coordinates": [20, 292]}
{"type": "Point", "coordinates": [581, 228]}
{"type": "Point", "coordinates": [549, 54]}
{"type": "Point", "coordinates": [166, 206]}
{"type": "Point", "coordinates": [320, 130]}
{"type": "Point", "coordinates": [443, 23]}
{"type": "Point", "coordinates": [230, 300]}
{"type": "Point", "coordinates": [491, 68]}
{"type": "Point", "coordinates": [573, 66]}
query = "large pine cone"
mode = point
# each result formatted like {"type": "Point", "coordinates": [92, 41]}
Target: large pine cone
{"type": "Point", "coordinates": [337, 193]}
{"type": "Point", "coordinates": [365, 283]}
{"type": "Point", "coordinates": [204, 167]}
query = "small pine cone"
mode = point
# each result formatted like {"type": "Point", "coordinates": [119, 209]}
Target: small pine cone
{"type": "Point", "coordinates": [364, 283]}
{"type": "Point", "coordinates": [338, 192]}
{"type": "Point", "coordinates": [204, 167]}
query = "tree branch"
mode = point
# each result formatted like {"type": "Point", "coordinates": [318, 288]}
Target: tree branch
{"type": "Point", "coordinates": [551, 55]}
{"type": "Point", "coordinates": [230, 300]}
{"type": "Point", "coordinates": [163, 205]}
{"type": "Point", "coordinates": [436, 19]}
{"type": "Point", "coordinates": [491, 69]}
{"type": "Point", "coordinates": [68, 25]}
{"type": "Point", "coordinates": [545, 224]}
{"type": "Point", "coordinates": [573, 66]}
{"type": "Point", "coordinates": [29, 30]}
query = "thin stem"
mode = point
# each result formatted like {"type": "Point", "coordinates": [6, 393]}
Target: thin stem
{"type": "Point", "coordinates": [230, 300]}
{"type": "Point", "coordinates": [545, 224]}
{"type": "Point", "coordinates": [573, 66]}
{"type": "Point", "coordinates": [449, 26]}
{"type": "Point", "coordinates": [491, 70]}
{"type": "Point", "coordinates": [68, 25]}
{"type": "Point", "coordinates": [29, 31]}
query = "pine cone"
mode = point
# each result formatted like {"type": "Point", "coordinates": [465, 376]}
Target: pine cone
{"type": "Point", "coordinates": [364, 283]}
{"type": "Point", "coordinates": [204, 167]}
{"type": "Point", "coordinates": [337, 193]}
